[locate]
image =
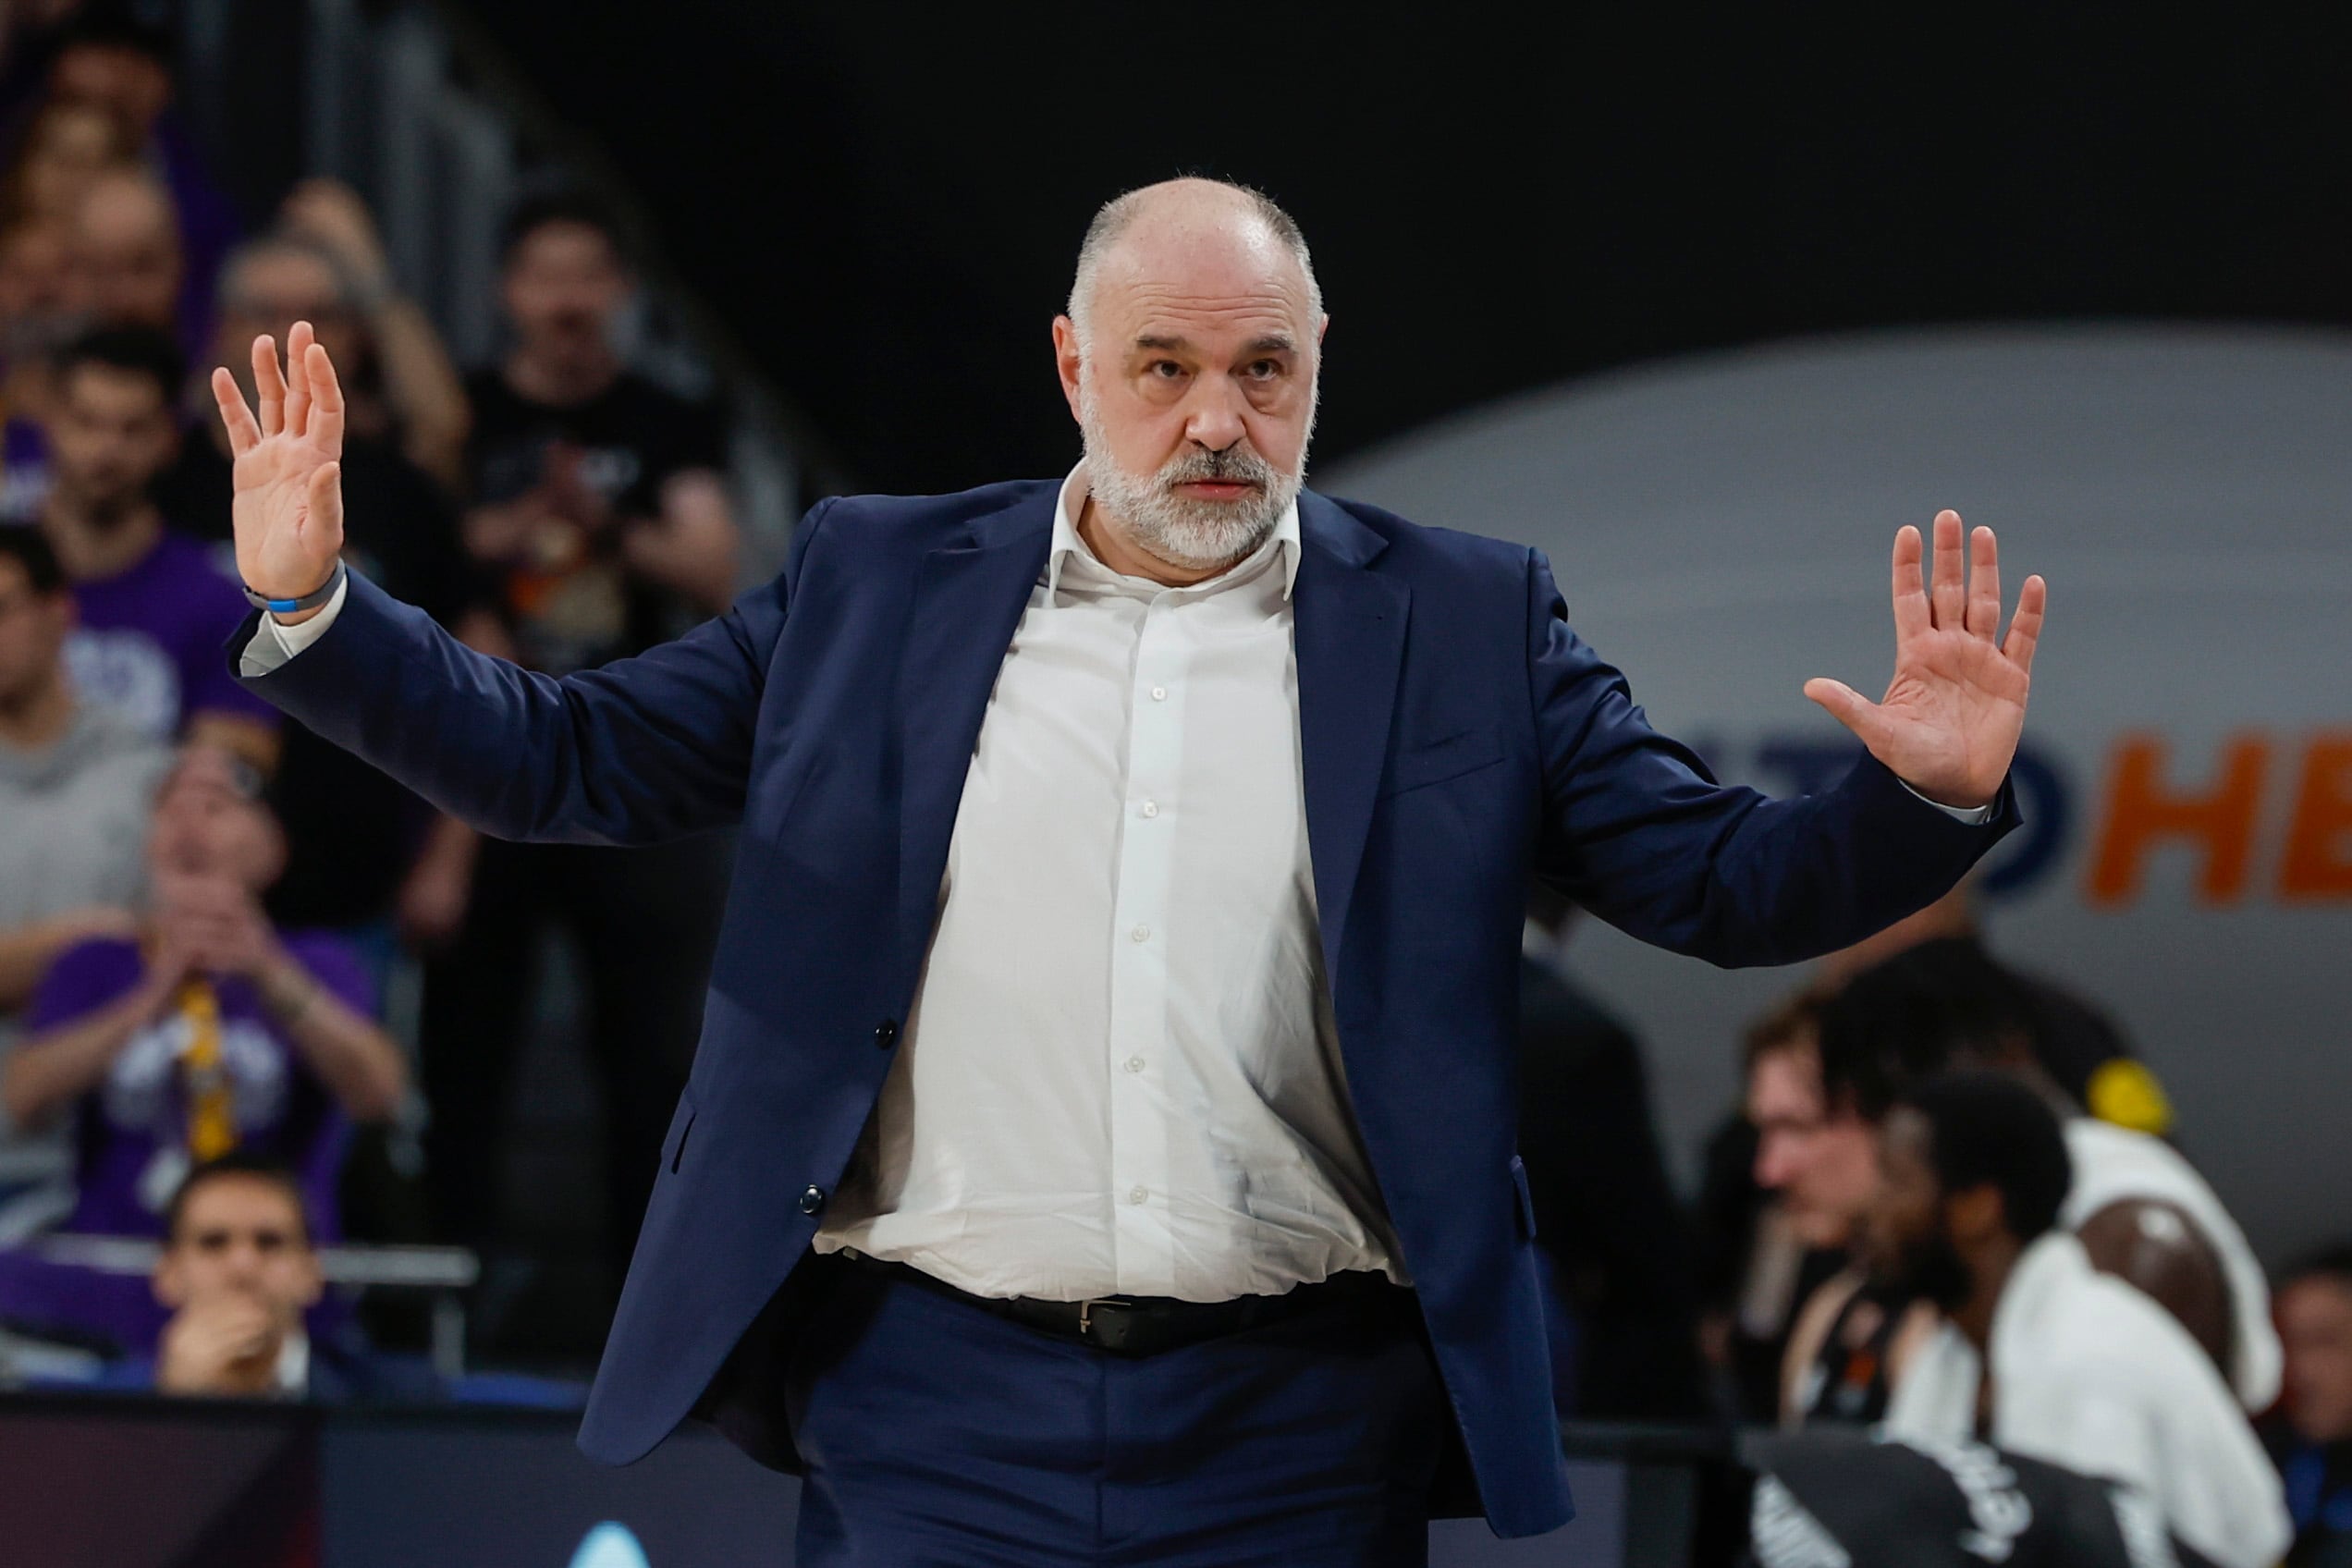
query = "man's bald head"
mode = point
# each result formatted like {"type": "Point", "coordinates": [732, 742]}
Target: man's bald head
{"type": "Point", "coordinates": [1189, 359]}
{"type": "Point", "coordinates": [1193, 220]}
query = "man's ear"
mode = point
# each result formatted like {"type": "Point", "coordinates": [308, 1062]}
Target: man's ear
{"type": "Point", "coordinates": [1975, 1215]}
{"type": "Point", "coordinates": [1067, 359]}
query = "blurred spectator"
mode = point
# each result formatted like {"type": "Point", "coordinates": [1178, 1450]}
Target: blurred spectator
{"type": "Point", "coordinates": [207, 1031]}
{"type": "Point", "coordinates": [2085, 1371]}
{"type": "Point", "coordinates": [2076, 1045]}
{"type": "Point", "coordinates": [155, 612]}
{"type": "Point", "coordinates": [1605, 1208]}
{"type": "Point", "coordinates": [127, 251]}
{"type": "Point", "coordinates": [29, 34]}
{"type": "Point", "coordinates": [76, 784]}
{"type": "Point", "coordinates": [41, 311]}
{"type": "Point", "coordinates": [402, 389]}
{"type": "Point", "coordinates": [109, 59]}
{"type": "Point", "coordinates": [2312, 1441]}
{"type": "Point", "coordinates": [239, 1271]}
{"type": "Point", "coordinates": [1850, 1340]}
{"type": "Point", "coordinates": [364, 851]}
{"type": "Point", "coordinates": [58, 156]}
{"type": "Point", "coordinates": [600, 511]}
{"type": "Point", "coordinates": [2141, 1210]}
{"type": "Point", "coordinates": [597, 495]}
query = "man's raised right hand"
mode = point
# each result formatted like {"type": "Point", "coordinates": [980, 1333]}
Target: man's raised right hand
{"type": "Point", "coordinates": [289, 507]}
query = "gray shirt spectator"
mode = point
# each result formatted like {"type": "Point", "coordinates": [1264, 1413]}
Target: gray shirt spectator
{"type": "Point", "coordinates": [76, 783]}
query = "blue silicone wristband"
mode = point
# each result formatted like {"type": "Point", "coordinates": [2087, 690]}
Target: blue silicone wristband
{"type": "Point", "coordinates": [311, 600]}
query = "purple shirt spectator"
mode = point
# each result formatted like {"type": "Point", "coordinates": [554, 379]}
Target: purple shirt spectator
{"type": "Point", "coordinates": [148, 646]}
{"type": "Point", "coordinates": [131, 1135]}
{"type": "Point", "coordinates": [133, 1131]}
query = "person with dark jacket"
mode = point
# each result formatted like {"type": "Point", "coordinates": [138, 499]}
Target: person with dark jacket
{"type": "Point", "coordinates": [1605, 1212]}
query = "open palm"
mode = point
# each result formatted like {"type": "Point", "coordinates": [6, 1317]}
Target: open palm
{"type": "Point", "coordinates": [1948, 723]}
{"type": "Point", "coordinates": [288, 505]}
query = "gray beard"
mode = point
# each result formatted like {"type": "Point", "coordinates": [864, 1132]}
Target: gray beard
{"type": "Point", "coordinates": [1195, 535]}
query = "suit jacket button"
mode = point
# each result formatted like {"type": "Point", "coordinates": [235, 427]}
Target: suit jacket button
{"type": "Point", "coordinates": [812, 1198]}
{"type": "Point", "coordinates": [886, 1034]}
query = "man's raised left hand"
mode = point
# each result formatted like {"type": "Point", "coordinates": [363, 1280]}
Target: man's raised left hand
{"type": "Point", "coordinates": [1948, 723]}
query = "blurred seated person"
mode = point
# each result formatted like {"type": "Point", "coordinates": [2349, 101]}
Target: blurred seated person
{"type": "Point", "coordinates": [1605, 1208]}
{"type": "Point", "coordinates": [60, 151]}
{"type": "Point", "coordinates": [124, 244]}
{"type": "Point", "coordinates": [27, 37]}
{"type": "Point", "coordinates": [2085, 1371]}
{"type": "Point", "coordinates": [600, 514]}
{"type": "Point", "coordinates": [1818, 1157]}
{"type": "Point", "coordinates": [2311, 1436]}
{"type": "Point", "coordinates": [406, 391]}
{"type": "Point", "coordinates": [598, 496]}
{"type": "Point", "coordinates": [110, 59]}
{"type": "Point", "coordinates": [2078, 1046]}
{"type": "Point", "coordinates": [239, 1273]}
{"type": "Point", "coordinates": [365, 853]}
{"type": "Point", "coordinates": [41, 311]}
{"type": "Point", "coordinates": [155, 610]}
{"type": "Point", "coordinates": [208, 1030]}
{"type": "Point", "coordinates": [114, 261]}
{"type": "Point", "coordinates": [77, 787]}
{"type": "Point", "coordinates": [2141, 1210]}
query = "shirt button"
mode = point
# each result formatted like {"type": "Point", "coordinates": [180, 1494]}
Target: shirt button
{"type": "Point", "coordinates": [812, 1198]}
{"type": "Point", "coordinates": [1159, 693]}
{"type": "Point", "coordinates": [886, 1034]}
{"type": "Point", "coordinates": [1140, 934]}
{"type": "Point", "coordinates": [1151, 808]}
{"type": "Point", "coordinates": [1135, 1064]}
{"type": "Point", "coordinates": [1136, 1195]}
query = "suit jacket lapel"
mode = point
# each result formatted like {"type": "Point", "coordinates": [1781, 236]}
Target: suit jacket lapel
{"type": "Point", "coordinates": [967, 603]}
{"type": "Point", "coordinates": [1350, 642]}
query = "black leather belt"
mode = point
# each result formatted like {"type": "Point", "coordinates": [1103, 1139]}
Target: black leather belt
{"type": "Point", "coordinates": [1141, 1326]}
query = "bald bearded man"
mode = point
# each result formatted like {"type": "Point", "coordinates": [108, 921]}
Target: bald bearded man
{"type": "Point", "coordinates": [1100, 1145]}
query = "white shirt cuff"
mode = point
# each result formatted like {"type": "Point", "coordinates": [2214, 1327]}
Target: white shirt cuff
{"type": "Point", "coordinates": [274, 642]}
{"type": "Point", "coordinates": [1974, 817]}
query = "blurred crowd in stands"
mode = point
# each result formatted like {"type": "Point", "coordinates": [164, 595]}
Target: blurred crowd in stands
{"type": "Point", "coordinates": [1947, 1205]}
{"type": "Point", "coordinates": [202, 907]}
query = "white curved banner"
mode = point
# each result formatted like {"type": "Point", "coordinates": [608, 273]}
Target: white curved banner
{"type": "Point", "coordinates": [1720, 527]}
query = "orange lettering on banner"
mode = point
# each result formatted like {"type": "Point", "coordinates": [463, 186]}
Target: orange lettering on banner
{"type": "Point", "coordinates": [2318, 864]}
{"type": "Point", "coordinates": [2141, 814]}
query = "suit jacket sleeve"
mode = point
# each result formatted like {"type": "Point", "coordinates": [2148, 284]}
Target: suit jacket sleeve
{"type": "Point", "coordinates": [1637, 831]}
{"type": "Point", "coordinates": [640, 750]}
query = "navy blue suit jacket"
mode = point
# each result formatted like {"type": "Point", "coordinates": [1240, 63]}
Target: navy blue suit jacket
{"type": "Point", "coordinates": [1455, 735]}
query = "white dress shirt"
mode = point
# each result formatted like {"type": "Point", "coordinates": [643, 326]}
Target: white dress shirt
{"type": "Point", "coordinates": [1121, 1074]}
{"type": "Point", "coordinates": [293, 1377]}
{"type": "Point", "coordinates": [2089, 1373]}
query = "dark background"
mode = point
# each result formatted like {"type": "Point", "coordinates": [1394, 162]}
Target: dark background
{"type": "Point", "coordinates": [883, 201]}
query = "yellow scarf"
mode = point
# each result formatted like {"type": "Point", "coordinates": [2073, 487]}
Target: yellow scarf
{"type": "Point", "coordinates": [212, 1126]}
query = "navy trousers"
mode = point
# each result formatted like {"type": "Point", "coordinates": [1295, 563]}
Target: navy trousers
{"type": "Point", "coordinates": [936, 1433]}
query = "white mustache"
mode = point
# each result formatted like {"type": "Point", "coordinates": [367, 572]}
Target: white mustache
{"type": "Point", "coordinates": [1234, 465]}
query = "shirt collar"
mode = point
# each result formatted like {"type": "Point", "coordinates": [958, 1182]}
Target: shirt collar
{"type": "Point", "coordinates": [1066, 543]}
{"type": "Point", "coordinates": [294, 1365]}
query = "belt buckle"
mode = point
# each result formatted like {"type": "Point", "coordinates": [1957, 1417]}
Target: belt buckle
{"type": "Point", "coordinates": [1086, 1318]}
